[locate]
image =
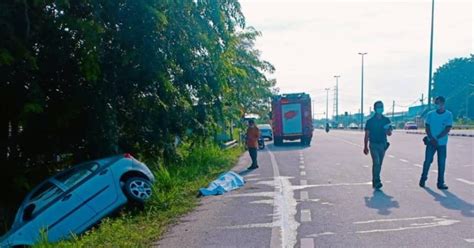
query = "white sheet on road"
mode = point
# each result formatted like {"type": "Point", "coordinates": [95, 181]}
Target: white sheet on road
{"type": "Point", "coordinates": [225, 182]}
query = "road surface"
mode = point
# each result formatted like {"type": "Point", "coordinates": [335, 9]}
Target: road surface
{"type": "Point", "coordinates": [321, 196]}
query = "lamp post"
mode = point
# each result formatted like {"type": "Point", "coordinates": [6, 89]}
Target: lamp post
{"type": "Point", "coordinates": [362, 94]}
{"type": "Point", "coordinates": [337, 97]}
{"type": "Point", "coordinates": [430, 84]}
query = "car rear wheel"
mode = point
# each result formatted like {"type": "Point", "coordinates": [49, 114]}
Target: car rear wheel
{"type": "Point", "coordinates": [138, 189]}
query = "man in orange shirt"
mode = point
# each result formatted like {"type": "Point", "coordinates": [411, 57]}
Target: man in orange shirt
{"type": "Point", "coordinates": [253, 133]}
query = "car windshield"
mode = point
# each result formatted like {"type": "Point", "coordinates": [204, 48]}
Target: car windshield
{"type": "Point", "coordinates": [77, 174]}
{"type": "Point", "coordinates": [264, 126]}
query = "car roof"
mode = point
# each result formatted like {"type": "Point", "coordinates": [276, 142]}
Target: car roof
{"type": "Point", "coordinates": [264, 126]}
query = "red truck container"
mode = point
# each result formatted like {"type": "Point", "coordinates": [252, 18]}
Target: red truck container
{"type": "Point", "coordinates": [292, 118]}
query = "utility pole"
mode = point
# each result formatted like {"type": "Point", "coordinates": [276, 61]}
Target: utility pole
{"type": "Point", "coordinates": [327, 101]}
{"type": "Point", "coordinates": [337, 97]}
{"type": "Point", "coordinates": [393, 109]}
{"type": "Point", "coordinates": [430, 83]}
{"type": "Point", "coordinates": [334, 114]}
{"type": "Point", "coordinates": [362, 94]}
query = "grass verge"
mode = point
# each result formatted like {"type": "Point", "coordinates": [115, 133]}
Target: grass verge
{"type": "Point", "coordinates": [175, 192]}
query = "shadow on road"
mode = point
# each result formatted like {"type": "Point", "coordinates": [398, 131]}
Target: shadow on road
{"type": "Point", "coordinates": [451, 201]}
{"type": "Point", "coordinates": [287, 146]}
{"type": "Point", "coordinates": [382, 202]}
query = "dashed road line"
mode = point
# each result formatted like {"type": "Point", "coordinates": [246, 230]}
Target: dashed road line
{"type": "Point", "coordinates": [469, 240]}
{"type": "Point", "coordinates": [404, 160]}
{"type": "Point", "coordinates": [304, 195]}
{"type": "Point", "coordinates": [307, 243]}
{"type": "Point", "coordinates": [465, 181]}
{"type": "Point", "coordinates": [302, 167]}
{"type": "Point", "coordinates": [391, 156]}
{"type": "Point", "coordinates": [418, 165]}
{"type": "Point", "coordinates": [305, 215]}
{"type": "Point", "coordinates": [303, 173]}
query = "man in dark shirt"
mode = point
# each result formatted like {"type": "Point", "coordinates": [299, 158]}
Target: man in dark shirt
{"type": "Point", "coordinates": [376, 130]}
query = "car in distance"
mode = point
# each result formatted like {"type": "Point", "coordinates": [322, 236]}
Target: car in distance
{"type": "Point", "coordinates": [76, 199]}
{"type": "Point", "coordinates": [410, 125]}
{"type": "Point", "coordinates": [353, 126]}
{"type": "Point", "coordinates": [266, 131]}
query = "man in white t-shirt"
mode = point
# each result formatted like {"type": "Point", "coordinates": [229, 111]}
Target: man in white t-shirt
{"type": "Point", "coordinates": [438, 124]}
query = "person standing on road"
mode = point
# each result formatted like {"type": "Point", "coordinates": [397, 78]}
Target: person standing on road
{"type": "Point", "coordinates": [376, 130]}
{"type": "Point", "coordinates": [253, 133]}
{"type": "Point", "coordinates": [438, 123]}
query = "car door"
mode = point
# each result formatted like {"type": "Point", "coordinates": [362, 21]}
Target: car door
{"type": "Point", "coordinates": [97, 189]}
{"type": "Point", "coordinates": [55, 211]}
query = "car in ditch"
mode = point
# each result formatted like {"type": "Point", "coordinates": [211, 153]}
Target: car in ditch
{"type": "Point", "coordinates": [76, 199]}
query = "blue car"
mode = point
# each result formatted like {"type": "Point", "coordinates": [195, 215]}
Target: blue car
{"type": "Point", "coordinates": [76, 199]}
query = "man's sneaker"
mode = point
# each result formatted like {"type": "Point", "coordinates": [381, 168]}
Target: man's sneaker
{"type": "Point", "coordinates": [253, 167]}
{"type": "Point", "coordinates": [442, 187]}
{"type": "Point", "coordinates": [378, 185]}
{"type": "Point", "coordinates": [422, 183]}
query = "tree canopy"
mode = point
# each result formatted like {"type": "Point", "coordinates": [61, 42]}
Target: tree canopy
{"type": "Point", "coordinates": [86, 79]}
{"type": "Point", "coordinates": [455, 81]}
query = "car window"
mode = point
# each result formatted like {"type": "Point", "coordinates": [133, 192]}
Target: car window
{"type": "Point", "coordinates": [45, 194]}
{"type": "Point", "coordinates": [77, 174]}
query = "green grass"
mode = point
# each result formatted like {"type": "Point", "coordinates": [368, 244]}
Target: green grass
{"type": "Point", "coordinates": [175, 193]}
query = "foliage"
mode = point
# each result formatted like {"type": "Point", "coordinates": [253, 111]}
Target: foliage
{"type": "Point", "coordinates": [455, 81]}
{"type": "Point", "coordinates": [87, 79]}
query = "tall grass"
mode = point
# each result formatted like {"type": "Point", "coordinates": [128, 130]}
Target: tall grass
{"type": "Point", "coordinates": [175, 192]}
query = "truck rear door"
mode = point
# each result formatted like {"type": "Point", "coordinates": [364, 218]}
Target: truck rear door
{"type": "Point", "coordinates": [292, 119]}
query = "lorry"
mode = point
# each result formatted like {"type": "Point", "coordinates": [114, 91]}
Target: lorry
{"type": "Point", "coordinates": [292, 118]}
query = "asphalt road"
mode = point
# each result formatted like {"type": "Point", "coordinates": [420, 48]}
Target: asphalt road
{"type": "Point", "coordinates": [321, 196]}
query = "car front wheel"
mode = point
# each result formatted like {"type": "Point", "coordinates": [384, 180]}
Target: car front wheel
{"type": "Point", "coordinates": [138, 189]}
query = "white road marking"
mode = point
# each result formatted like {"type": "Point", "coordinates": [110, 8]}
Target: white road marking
{"type": "Point", "coordinates": [307, 243]}
{"type": "Point", "coordinates": [255, 225]}
{"type": "Point", "coordinates": [465, 181]}
{"type": "Point", "coordinates": [320, 234]}
{"type": "Point", "coordinates": [366, 166]}
{"type": "Point", "coordinates": [262, 202]}
{"type": "Point", "coordinates": [305, 215]}
{"type": "Point", "coordinates": [285, 226]}
{"type": "Point", "coordinates": [303, 173]}
{"type": "Point", "coordinates": [301, 162]}
{"type": "Point", "coordinates": [436, 222]}
{"type": "Point", "coordinates": [469, 240]}
{"type": "Point", "coordinates": [404, 160]}
{"type": "Point", "coordinates": [434, 171]}
{"type": "Point", "coordinates": [301, 186]}
{"type": "Point", "coordinates": [391, 156]}
{"type": "Point", "coordinates": [302, 167]}
{"type": "Point", "coordinates": [418, 165]}
{"type": "Point", "coordinates": [468, 165]}
{"type": "Point", "coordinates": [304, 195]}
{"type": "Point", "coordinates": [303, 182]}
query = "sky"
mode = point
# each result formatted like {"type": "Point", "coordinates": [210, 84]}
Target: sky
{"type": "Point", "coordinates": [309, 42]}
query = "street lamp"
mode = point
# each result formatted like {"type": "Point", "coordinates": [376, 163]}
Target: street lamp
{"type": "Point", "coordinates": [327, 97]}
{"type": "Point", "coordinates": [431, 56]}
{"type": "Point", "coordinates": [362, 94]}
{"type": "Point", "coordinates": [337, 97]}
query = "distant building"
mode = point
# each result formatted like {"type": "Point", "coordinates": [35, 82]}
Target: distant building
{"type": "Point", "coordinates": [417, 110]}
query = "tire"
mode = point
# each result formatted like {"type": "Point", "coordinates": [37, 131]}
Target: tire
{"type": "Point", "coordinates": [138, 189]}
{"type": "Point", "coordinates": [278, 141]}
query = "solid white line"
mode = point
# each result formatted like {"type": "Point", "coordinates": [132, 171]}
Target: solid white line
{"type": "Point", "coordinates": [304, 195]}
{"type": "Point", "coordinates": [307, 243]}
{"type": "Point", "coordinates": [392, 220]}
{"type": "Point", "coordinates": [305, 215]}
{"type": "Point", "coordinates": [465, 181]}
{"type": "Point", "coordinates": [285, 226]}
{"type": "Point", "coordinates": [404, 160]}
{"type": "Point", "coordinates": [303, 173]}
{"type": "Point", "coordinates": [303, 182]}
